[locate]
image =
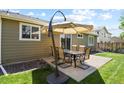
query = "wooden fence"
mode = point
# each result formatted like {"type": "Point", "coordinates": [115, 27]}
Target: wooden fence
{"type": "Point", "coordinates": [110, 46]}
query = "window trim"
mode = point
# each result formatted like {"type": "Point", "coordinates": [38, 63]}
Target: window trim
{"type": "Point", "coordinates": [80, 37]}
{"type": "Point", "coordinates": [89, 44]}
{"type": "Point", "coordinates": [20, 32]}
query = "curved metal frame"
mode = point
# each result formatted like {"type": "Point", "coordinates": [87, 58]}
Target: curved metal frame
{"type": "Point", "coordinates": [50, 33]}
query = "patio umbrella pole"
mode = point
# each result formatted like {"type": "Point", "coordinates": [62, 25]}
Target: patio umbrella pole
{"type": "Point", "coordinates": [57, 77]}
{"type": "Point", "coordinates": [56, 59]}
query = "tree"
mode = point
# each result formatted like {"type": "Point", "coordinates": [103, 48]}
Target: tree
{"type": "Point", "coordinates": [121, 23]}
{"type": "Point", "coordinates": [122, 35]}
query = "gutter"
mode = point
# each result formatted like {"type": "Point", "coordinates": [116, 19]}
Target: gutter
{"type": "Point", "coordinates": [1, 66]}
{"type": "Point", "coordinates": [22, 18]}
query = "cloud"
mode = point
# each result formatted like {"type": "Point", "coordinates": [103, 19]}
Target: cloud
{"type": "Point", "coordinates": [110, 10]}
{"type": "Point", "coordinates": [30, 14]}
{"type": "Point", "coordinates": [36, 14]}
{"type": "Point", "coordinates": [90, 23]}
{"type": "Point", "coordinates": [105, 16]}
{"type": "Point", "coordinates": [43, 14]}
{"type": "Point", "coordinates": [107, 10]}
{"type": "Point", "coordinates": [88, 14]}
{"type": "Point", "coordinates": [114, 30]}
{"type": "Point", "coordinates": [14, 10]}
{"type": "Point", "coordinates": [79, 15]}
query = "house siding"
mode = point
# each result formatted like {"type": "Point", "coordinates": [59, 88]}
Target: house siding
{"type": "Point", "coordinates": [103, 35]}
{"type": "Point", "coordinates": [15, 50]}
{"type": "Point", "coordinates": [84, 41]}
{"type": "Point", "coordinates": [93, 48]}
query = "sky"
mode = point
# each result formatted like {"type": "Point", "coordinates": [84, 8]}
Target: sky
{"type": "Point", "coordinates": [97, 17]}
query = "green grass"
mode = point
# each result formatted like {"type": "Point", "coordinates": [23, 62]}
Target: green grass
{"type": "Point", "coordinates": [28, 77]}
{"type": "Point", "coordinates": [112, 72]}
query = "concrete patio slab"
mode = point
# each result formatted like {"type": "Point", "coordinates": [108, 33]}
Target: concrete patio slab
{"type": "Point", "coordinates": [79, 74]}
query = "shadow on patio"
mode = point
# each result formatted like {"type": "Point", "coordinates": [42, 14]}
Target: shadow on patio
{"type": "Point", "coordinates": [39, 77]}
{"type": "Point", "coordinates": [94, 78]}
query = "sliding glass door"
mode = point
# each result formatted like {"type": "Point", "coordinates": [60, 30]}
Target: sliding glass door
{"type": "Point", "coordinates": [65, 41]}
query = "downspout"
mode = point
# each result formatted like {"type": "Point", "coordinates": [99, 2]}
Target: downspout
{"type": "Point", "coordinates": [1, 67]}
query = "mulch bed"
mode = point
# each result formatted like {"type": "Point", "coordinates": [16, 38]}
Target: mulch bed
{"type": "Point", "coordinates": [1, 72]}
{"type": "Point", "coordinates": [14, 68]}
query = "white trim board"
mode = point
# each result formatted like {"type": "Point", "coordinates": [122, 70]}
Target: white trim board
{"type": "Point", "coordinates": [0, 36]}
{"type": "Point", "coordinates": [3, 70]}
{"type": "Point", "coordinates": [1, 67]}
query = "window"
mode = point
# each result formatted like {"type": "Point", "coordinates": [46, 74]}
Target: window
{"type": "Point", "coordinates": [91, 40]}
{"type": "Point", "coordinates": [104, 35]}
{"type": "Point", "coordinates": [79, 35]}
{"type": "Point", "coordinates": [29, 32]}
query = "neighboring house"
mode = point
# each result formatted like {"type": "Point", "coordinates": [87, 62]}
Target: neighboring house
{"type": "Point", "coordinates": [86, 39]}
{"type": "Point", "coordinates": [103, 34]}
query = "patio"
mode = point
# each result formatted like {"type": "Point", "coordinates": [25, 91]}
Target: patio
{"type": "Point", "coordinates": [79, 74]}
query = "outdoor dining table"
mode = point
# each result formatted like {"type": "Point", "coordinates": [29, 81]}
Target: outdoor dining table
{"type": "Point", "coordinates": [73, 54]}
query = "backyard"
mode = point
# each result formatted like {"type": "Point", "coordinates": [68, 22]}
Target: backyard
{"type": "Point", "coordinates": [112, 72]}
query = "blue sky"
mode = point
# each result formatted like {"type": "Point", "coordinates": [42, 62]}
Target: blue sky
{"type": "Point", "coordinates": [98, 17]}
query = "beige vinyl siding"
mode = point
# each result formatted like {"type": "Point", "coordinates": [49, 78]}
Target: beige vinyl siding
{"type": "Point", "coordinates": [15, 50]}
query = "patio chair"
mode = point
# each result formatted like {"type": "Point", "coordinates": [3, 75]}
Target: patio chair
{"type": "Point", "coordinates": [87, 53]}
{"type": "Point", "coordinates": [82, 48]}
{"type": "Point", "coordinates": [74, 47]}
{"type": "Point", "coordinates": [64, 60]}
{"type": "Point", "coordinates": [52, 51]}
{"type": "Point", "coordinates": [83, 58]}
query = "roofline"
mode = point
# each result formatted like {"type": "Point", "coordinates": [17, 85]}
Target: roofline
{"type": "Point", "coordinates": [107, 30]}
{"type": "Point", "coordinates": [24, 18]}
{"type": "Point", "coordinates": [90, 34]}
{"type": "Point", "coordinates": [103, 27]}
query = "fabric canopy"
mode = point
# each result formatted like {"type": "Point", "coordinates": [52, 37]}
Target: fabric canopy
{"type": "Point", "coordinates": [69, 28]}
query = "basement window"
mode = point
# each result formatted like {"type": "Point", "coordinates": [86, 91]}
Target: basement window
{"type": "Point", "coordinates": [29, 32]}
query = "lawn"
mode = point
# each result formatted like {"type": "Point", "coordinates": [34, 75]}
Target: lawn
{"type": "Point", "coordinates": [112, 72]}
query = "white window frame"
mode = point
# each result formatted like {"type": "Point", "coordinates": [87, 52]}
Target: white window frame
{"type": "Point", "coordinates": [89, 42]}
{"type": "Point", "coordinates": [24, 39]}
{"type": "Point", "coordinates": [80, 37]}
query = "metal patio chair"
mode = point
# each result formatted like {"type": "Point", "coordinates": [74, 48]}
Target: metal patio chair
{"type": "Point", "coordinates": [84, 57]}
{"type": "Point", "coordinates": [64, 60]}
